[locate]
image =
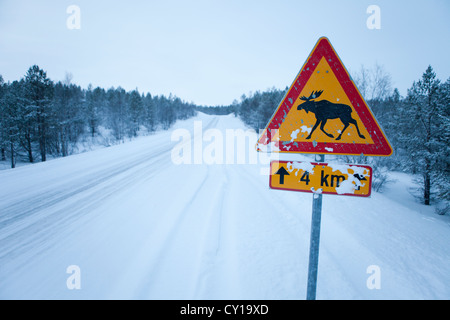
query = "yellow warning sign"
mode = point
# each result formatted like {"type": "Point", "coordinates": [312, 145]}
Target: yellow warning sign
{"type": "Point", "coordinates": [324, 113]}
{"type": "Point", "coordinates": [324, 178]}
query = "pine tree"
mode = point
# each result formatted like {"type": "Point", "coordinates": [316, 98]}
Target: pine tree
{"type": "Point", "coordinates": [149, 112]}
{"type": "Point", "coordinates": [116, 111]}
{"type": "Point", "coordinates": [11, 118]}
{"type": "Point", "coordinates": [165, 111]}
{"type": "Point", "coordinates": [422, 128]}
{"type": "Point", "coordinates": [441, 169]}
{"type": "Point", "coordinates": [92, 113]}
{"type": "Point", "coordinates": [136, 112]}
{"type": "Point", "coordinates": [2, 119]}
{"type": "Point", "coordinates": [67, 117]}
{"type": "Point", "coordinates": [38, 92]}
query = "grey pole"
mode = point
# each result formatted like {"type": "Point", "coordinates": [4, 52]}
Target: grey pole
{"type": "Point", "coordinates": [314, 241]}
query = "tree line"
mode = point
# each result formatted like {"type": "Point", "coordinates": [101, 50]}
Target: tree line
{"type": "Point", "coordinates": [418, 125]}
{"type": "Point", "coordinates": [39, 118]}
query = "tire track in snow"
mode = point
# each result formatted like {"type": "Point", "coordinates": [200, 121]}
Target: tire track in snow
{"type": "Point", "coordinates": [272, 250]}
{"type": "Point", "coordinates": [48, 223]}
{"type": "Point", "coordinates": [276, 203]}
{"type": "Point", "coordinates": [207, 248]}
{"type": "Point", "coordinates": [41, 225]}
{"type": "Point", "coordinates": [149, 262]}
{"type": "Point", "coordinates": [41, 202]}
{"type": "Point", "coordinates": [44, 225]}
{"type": "Point", "coordinates": [214, 239]}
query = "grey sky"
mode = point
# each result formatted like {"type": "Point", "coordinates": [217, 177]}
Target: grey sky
{"type": "Point", "coordinates": [211, 52]}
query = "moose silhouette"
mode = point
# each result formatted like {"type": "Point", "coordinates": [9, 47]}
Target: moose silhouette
{"type": "Point", "coordinates": [325, 110]}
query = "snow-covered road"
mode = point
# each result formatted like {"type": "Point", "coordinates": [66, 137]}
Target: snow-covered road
{"type": "Point", "coordinates": [139, 226]}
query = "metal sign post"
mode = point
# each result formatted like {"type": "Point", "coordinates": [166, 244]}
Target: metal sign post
{"type": "Point", "coordinates": [314, 241]}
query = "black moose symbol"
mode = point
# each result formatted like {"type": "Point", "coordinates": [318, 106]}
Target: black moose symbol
{"type": "Point", "coordinates": [326, 110]}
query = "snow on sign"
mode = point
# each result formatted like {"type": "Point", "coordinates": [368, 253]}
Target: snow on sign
{"type": "Point", "coordinates": [327, 178]}
{"type": "Point", "coordinates": [324, 113]}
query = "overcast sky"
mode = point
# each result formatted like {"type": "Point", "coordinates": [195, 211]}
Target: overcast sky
{"type": "Point", "coordinates": [212, 52]}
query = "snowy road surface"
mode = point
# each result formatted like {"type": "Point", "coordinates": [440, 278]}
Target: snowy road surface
{"type": "Point", "coordinates": [139, 226]}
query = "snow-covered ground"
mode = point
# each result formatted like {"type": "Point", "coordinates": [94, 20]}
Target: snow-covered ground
{"type": "Point", "coordinates": [139, 226]}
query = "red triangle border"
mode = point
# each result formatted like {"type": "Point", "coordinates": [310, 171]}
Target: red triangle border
{"type": "Point", "coordinates": [323, 48]}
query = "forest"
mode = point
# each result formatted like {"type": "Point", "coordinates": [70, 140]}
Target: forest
{"type": "Point", "coordinates": [40, 119]}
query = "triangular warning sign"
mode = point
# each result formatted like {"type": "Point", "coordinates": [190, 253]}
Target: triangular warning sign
{"type": "Point", "coordinates": [324, 113]}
